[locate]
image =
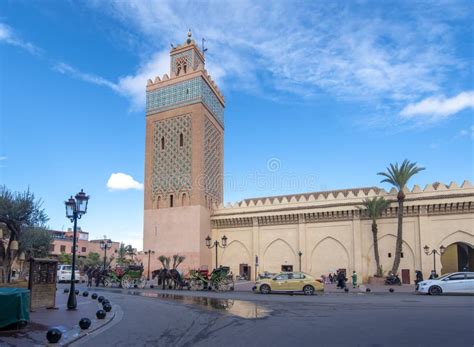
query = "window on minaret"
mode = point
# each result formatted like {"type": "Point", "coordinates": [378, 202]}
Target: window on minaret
{"type": "Point", "coordinates": [171, 200]}
{"type": "Point", "coordinates": [163, 142]}
{"type": "Point", "coordinates": [181, 140]}
{"type": "Point", "coordinates": [183, 199]}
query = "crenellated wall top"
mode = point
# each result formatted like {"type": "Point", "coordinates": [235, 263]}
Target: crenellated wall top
{"type": "Point", "coordinates": [345, 197]}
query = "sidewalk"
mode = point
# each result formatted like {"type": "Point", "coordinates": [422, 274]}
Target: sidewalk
{"type": "Point", "coordinates": [34, 334]}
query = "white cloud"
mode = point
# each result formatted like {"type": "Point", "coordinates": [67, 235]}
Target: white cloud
{"type": "Point", "coordinates": [86, 77]}
{"type": "Point", "coordinates": [121, 181]}
{"type": "Point", "coordinates": [439, 107]}
{"type": "Point", "coordinates": [350, 51]}
{"type": "Point", "coordinates": [3, 158]}
{"type": "Point", "coordinates": [8, 36]}
{"type": "Point", "coordinates": [467, 132]}
{"type": "Point", "coordinates": [133, 86]}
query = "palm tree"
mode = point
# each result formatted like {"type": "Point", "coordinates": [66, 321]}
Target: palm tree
{"type": "Point", "coordinates": [130, 252]}
{"type": "Point", "coordinates": [165, 261]}
{"type": "Point", "coordinates": [122, 252]}
{"type": "Point", "coordinates": [375, 207]}
{"type": "Point", "coordinates": [398, 176]}
{"type": "Point", "coordinates": [177, 259]}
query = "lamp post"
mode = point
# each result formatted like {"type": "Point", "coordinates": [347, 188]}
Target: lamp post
{"type": "Point", "coordinates": [299, 255]}
{"type": "Point", "coordinates": [216, 244]}
{"type": "Point", "coordinates": [149, 252]}
{"type": "Point", "coordinates": [75, 208]}
{"type": "Point", "coordinates": [105, 244]}
{"type": "Point", "coordinates": [434, 251]}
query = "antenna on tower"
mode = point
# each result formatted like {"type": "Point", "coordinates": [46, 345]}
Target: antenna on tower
{"type": "Point", "coordinates": [172, 46]}
{"type": "Point", "coordinates": [202, 47]}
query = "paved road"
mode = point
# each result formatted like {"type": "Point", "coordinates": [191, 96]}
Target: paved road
{"type": "Point", "coordinates": [156, 318]}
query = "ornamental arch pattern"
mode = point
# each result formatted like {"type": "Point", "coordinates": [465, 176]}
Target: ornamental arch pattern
{"type": "Point", "coordinates": [172, 165]}
{"type": "Point", "coordinates": [329, 254]}
{"type": "Point", "coordinates": [277, 253]}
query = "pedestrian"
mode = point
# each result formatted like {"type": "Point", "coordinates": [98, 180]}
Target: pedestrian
{"type": "Point", "coordinates": [341, 279]}
{"type": "Point", "coordinates": [89, 273]}
{"type": "Point", "coordinates": [354, 279]}
{"type": "Point", "coordinates": [419, 276]}
{"type": "Point", "coordinates": [433, 275]}
{"type": "Point", "coordinates": [330, 277]}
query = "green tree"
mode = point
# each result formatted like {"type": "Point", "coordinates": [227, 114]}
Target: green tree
{"type": "Point", "coordinates": [398, 176]}
{"type": "Point", "coordinates": [35, 242]}
{"type": "Point", "coordinates": [122, 254]}
{"type": "Point", "coordinates": [375, 207]}
{"type": "Point", "coordinates": [65, 258]}
{"type": "Point", "coordinates": [130, 252]}
{"type": "Point", "coordinates": [18, 212]}
{"type": "Point", "coordinates": [92, 259]}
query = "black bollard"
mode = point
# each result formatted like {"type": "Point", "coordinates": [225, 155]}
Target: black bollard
{"type": "Point", "coordinates": [66, 290]}
{"type": "Point", "coordinates": [152, 286]}
{"type": "Point", "coordinates": [85, 323]}
{"type": "Point", "coordinates": [105, 301]}
{"type": "Point", "coordinates": [100, 299]}
{"type": "Point", "coordinates": [391, 290]}
{"type": "Point", "coordinates": [100, 314]}
{"type": "Point", "coordinates": [77, 292]}
{"type": "Point", "coordinates": [107, 307]}
{"type": "Point", "coordinates": [94, 296]}
{"type": "Point", "coordinates": [85, 294]}
{"type": "Point", "coordinates": [53, 335]}
{"type": "Point", "coordinates": [368, 290]}
{"type": "Point", "coordinates": [346, 290]}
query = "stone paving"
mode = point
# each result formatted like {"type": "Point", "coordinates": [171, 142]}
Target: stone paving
{"type": "Point", "coordinates": [34, 334]}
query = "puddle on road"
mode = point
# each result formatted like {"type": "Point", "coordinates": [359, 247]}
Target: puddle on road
{"type": "Point", "coordinates": [239, 308]}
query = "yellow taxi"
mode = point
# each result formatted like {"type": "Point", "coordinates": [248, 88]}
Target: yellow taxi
{"type": "Point", "coordinates": [289, 282]}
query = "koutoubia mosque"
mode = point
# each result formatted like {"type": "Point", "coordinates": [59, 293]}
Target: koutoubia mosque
{"type": "Point", "coordinates": [318, 231]}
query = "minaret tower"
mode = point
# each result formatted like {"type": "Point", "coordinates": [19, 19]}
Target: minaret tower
{"type": "Point", "coordinates": [183, 158]}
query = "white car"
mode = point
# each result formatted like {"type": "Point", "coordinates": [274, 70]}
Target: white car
{"type": "Point", "coordinates": [457, 282]}
{"type": "Point", "coordinates": [64, 273]}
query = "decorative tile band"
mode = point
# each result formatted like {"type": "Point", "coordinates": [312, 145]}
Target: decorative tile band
{"type": "Point", "coordinates": [183, 93]}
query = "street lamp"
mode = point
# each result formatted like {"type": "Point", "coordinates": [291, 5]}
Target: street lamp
{"type": "Point", "coordinates": [216, 244]}
{"type": "Point", "coordinates": [299, 255]}
{"type": "Point", "coordinates": [442, 249]}
{"type": "Point", "coordinates": [75, 208]}
{"type": "Point", "coordinates": [105, 244]}
{"type": "Point", "coordinates": [149, 252]}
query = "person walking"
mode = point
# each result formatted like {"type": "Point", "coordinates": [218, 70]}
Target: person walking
{"type": "Point", "coordinates": [419, 276]}
{"type": "Point", "coordinates": [89, 273]}
{"type": "Point", "coordinates": [341, 280]}
{"type": "Point", "coordinates": [354, 279]}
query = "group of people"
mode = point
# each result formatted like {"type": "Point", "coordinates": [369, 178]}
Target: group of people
{"type": "Point", "coordinates": [340, 278]}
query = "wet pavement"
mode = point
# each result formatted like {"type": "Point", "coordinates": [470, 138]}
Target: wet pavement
{"type": "Point", "coordinates": [185, 318]}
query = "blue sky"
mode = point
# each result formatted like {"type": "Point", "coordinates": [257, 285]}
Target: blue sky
{"type": "Point", "coordinates": [318, 96]}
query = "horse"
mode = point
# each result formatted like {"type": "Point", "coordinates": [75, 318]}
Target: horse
{"type": "Point", "coordinates": [170, 279]}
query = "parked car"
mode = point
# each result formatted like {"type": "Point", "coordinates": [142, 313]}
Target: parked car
{"type": "Point", "coordinates": [457, 282]}
{"type": "Point", "coordinates": [64, 273]}
{"type": "Point", "coordinates": [289, 282]}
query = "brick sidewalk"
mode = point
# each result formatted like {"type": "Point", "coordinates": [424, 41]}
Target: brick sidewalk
{"type": "Point", "coordinates": [66, 321]}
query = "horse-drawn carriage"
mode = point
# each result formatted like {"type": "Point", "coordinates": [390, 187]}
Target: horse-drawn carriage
{"type": "Point", "coordinates": [220, 279]}
{"type": "Point", "coordinates": [125, 277]}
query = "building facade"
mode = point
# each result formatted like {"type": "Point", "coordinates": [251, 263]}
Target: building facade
{"type": "Point", "coordinates": [62, 243]}
{"type": "Point", "coordinates": [318, 232]}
